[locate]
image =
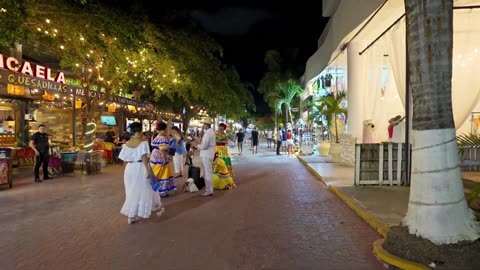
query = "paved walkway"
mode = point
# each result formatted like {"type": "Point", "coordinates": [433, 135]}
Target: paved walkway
{"type": "Point", "coordinates": [388, 203]}
{"type": "Point", "coordinates": [279, 217]}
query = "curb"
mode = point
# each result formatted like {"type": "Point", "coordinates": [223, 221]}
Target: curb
{"type": "Point", "coordinates": [394, 260]}
{"type": "Point", "coordinates": [373, 221]}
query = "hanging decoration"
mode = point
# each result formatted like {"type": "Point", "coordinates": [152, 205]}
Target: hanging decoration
{"type": "Point", "coordinates": [78, 104]}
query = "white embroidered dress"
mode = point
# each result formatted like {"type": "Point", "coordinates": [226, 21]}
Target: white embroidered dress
{"type": "Point", "coordinates": [140, 199]}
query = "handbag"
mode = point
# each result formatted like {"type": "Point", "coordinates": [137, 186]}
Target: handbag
{"type": "Point", "coordinates": [171, 151]}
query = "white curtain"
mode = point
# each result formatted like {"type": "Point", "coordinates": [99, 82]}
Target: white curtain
{"type": "Point", "coordinates": [374, 88]}
{"type": "Point", "coordinates": [396, 50]}
{"type": "Point", "coordinates": [465, 66]}
{"type": "Point", "coordinates": [466, 61]}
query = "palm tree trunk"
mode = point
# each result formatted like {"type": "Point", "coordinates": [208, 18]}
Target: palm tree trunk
{"type": "Point", "coordinates": [336, 129]}
{"type": "Point", "coordinates": [285, 115]}
{"type": "Point", "coordinates": [437, 209]}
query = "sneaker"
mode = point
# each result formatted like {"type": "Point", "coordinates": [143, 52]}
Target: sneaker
{"type": "Point", "coordinates": [206, 194]}
{"type": "Point", "coordinates": [37, 180]}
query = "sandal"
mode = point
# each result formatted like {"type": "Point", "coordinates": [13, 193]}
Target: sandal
{"type": "Point", "coordinates": [160, 212]}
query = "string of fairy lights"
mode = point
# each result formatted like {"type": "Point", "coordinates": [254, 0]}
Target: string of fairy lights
{"type": "Point", "coordinates": [94, 62]}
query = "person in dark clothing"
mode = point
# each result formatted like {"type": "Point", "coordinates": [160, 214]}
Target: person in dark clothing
{"type": "Point", "coordinates": [255, 140]}
{"type": "Point", "coordinates": [39, 144]}
{"type": "Point", "coordinates": [110, 135]}
{"type": "Point", "coordinates": [240, 136]}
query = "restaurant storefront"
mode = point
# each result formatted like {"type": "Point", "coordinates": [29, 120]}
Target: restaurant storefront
{"type": "Point", "coordinates": [31, 94]}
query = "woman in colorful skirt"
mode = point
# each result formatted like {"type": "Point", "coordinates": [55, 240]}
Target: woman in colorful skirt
{"type": "Point", "coordinates": [221, 176]}
{"type": "Point", "coordinates": [221, 147]}
{"type": "Point", "coordinates": [160, 163]}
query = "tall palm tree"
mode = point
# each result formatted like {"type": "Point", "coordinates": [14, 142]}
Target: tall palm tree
{"type": "Point", "coordinates": [283, 98]}
{"type": "Point", "coordinates": [332, 108]}
{"type": "Point", "coordinates": [437, 209]}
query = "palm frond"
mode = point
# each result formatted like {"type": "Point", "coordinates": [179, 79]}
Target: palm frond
{"type": "Point", "coordinates": [466, 141]}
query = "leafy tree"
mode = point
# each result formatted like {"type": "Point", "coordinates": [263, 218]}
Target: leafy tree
{"type": "Point", "coordinates": [105, 49]}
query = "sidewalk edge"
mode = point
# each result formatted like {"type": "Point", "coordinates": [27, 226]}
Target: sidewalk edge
{"type": "Point", "coordinates": [373, 221]}
{"type": "Point", "coordinates": [394, 260]}
{"type": "Point", "coordinates": [360, 210]}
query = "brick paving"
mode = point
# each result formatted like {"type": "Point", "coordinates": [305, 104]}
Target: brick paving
{"type": "Point", "coordinates": [279, 217]}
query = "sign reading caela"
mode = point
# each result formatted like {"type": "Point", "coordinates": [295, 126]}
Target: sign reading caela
{"type": "Point", "coordinates": [26, 68]}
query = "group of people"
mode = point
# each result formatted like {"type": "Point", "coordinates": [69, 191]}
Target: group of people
{"type": "Point", "coordinates": [149, 174]}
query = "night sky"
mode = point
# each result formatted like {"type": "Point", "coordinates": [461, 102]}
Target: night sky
{"type": "Point", "coordinates": [247, 31]}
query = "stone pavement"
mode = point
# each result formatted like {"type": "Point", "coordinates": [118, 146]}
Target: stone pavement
{"type": "Point", "coordinates": [279, 217]}
{"type": "Point", "coordinates": [388, 203]}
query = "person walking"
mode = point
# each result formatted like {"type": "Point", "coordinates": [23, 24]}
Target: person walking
{"type": "Point", "coordinates": [269, 138]}
{"type": "Point", "coordinates": [279, 140]}
{"type": "Point", "coordinates": [180, 151]}
{"type": "Point", "coordinates": [140, 199]}
{"type": "Point", "coordinates": [160, 162]}
{"type": "Point", "coordinates": [40, 145]}
{"type": "Point", "coordinates": [255, 140]}
{"type": "Point", "coordinates": [207, 153]}
{"type": "Point", "coordinates": [240, 136]}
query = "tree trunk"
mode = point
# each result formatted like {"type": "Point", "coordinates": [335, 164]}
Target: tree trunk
{"type": "Point", "coordinates": [336, 128]}
{"type": "Point", "coordinates": [290, 115]}
{"type": "Point", "coordinates": [285, 115]}
{"type": "Point", "coordinates": [185, 122]}
{"type": "Point", "coordinates": [437, 209]}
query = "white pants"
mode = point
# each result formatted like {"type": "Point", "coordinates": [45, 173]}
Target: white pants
{"type": "Point", "coordinates": [208, 173]}
{"type": "Point", "coordinates": [178, 162]}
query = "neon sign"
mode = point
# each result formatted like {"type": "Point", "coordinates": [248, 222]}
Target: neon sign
{"type": "Point", "coordinates": [26, 68]}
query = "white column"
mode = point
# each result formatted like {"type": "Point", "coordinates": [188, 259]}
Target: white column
{"type": "Point", "coordinates": [356, 90]}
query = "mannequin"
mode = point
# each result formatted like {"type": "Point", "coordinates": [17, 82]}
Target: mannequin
{"type": "Point", "coordinates": [368, 131]}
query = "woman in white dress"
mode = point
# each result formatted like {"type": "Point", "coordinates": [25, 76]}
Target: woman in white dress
{"type": "Point", "coordinates": [140, 199]}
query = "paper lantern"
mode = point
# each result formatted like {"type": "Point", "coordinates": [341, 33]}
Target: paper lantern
{"type": "Point", "coordinates": [78, 104]}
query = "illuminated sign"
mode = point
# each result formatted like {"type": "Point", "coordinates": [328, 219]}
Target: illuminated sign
{"type": "Point", "coordinates": [38, 71]}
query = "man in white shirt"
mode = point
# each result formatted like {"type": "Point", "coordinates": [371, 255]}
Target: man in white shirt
{"type": "Point", "coordinates": [207, 152]}
{"type": "Point", "coordinates": [269, 138]}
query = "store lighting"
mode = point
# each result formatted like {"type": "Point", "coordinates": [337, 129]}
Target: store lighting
{"type": "Point", "coordinates": [39, 29]}
{"type": "Point", "coordinates": [62, 47]}
{"type": "Point", "coordinates": [47, 20]}
{"type": "Point", "coordinates": [55, 30]}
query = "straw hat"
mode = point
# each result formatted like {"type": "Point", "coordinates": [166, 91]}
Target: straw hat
{"type": "Point", "coordinates": [207, 121]}
{"type": "Point", "coordinates": [395, 120]}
